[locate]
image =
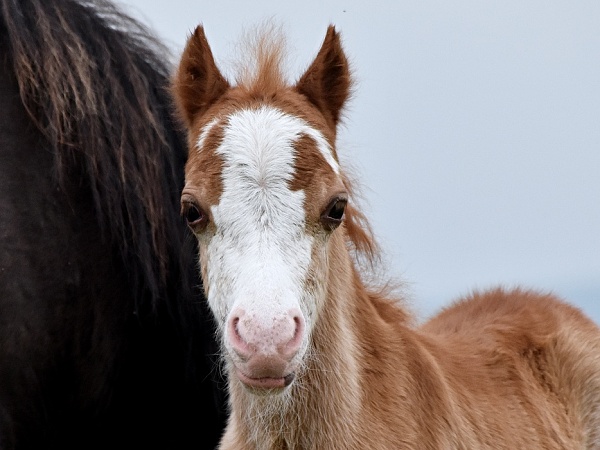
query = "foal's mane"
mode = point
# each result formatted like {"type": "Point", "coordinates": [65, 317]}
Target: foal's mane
{"type": "Point", "coordinates": [92, 80]}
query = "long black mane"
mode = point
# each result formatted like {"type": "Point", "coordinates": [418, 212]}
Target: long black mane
{"type": "Point", "coordinates": [93, 80]}
{"type": "Point", "coordinates": [104, 334]}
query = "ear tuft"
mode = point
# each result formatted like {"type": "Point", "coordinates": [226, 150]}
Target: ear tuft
{"type": "Point", "coordinates": [327, 82]}
{"type": "Point", "coordinates": [197, 83]}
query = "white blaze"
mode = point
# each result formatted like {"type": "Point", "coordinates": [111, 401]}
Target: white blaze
{"type": "Point", "coordinates": [259, 256]}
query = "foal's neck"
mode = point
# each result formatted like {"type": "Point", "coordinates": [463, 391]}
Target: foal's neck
{"type": "Point", "coordinates": [325, 404]}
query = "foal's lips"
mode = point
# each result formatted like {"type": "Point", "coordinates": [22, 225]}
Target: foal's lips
{"type": "Point", "coordinates": [266, 382]}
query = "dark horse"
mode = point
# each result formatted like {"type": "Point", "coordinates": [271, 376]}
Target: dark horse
{"type": "Point", "coordinates": [105, 339]}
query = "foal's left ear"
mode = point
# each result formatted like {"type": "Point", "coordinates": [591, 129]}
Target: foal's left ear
{"type": "Point", "coordinates": [326, 83]}
{"type": "Point", "coordinates": [197, 83]}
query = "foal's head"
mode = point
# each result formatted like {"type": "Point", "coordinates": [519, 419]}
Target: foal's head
{"type": "Point", "coordinates": [265, 197]}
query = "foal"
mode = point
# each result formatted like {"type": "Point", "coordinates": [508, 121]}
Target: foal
{"type": "Point", "coordinates": [315, 358]}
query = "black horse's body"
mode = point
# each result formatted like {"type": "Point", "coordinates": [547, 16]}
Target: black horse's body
{"type": "Point", "coordinates": [105, 341]}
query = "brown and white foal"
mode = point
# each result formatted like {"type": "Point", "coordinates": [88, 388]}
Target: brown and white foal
{"type": "Point", "coordinates": [316, 359]}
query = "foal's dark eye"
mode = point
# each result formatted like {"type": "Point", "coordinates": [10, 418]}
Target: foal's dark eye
{"type": "Point", "coordinates": [334, 213]}
{"type": "Point", "coordinates": [194, 215]}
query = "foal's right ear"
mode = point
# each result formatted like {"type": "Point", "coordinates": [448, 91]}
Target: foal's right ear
{"type": "Point", "coordinates": [197, 83]}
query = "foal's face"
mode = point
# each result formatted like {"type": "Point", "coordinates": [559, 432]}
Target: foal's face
{"type": "Point", "coordinates": [263, 195]}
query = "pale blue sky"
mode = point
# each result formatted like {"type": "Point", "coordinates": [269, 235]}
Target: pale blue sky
{"type": "Point", "coordinates": [474, 129]}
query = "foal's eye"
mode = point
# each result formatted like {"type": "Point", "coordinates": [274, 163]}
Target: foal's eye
{"type": "Point", "coordinates": [196, 218]}
{"type": "Point", "coordinates": [334, 213]}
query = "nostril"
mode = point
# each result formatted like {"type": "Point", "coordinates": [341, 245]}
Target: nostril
{"type": "Point", "coordinates": [234, 324]}
{"type": "Point", "coordinates": [236, 336]}
{"type": "Point", "coordinates": [295, 342]}
{"type": "Point", "coordinates": [299, 327]}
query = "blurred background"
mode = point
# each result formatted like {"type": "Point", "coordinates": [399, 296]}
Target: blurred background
{"type": "Point", "coordinates": [474, 131]}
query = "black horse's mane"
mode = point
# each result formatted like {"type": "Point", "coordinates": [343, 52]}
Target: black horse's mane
{"type": "Point", "coordinates": [94, 82]}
